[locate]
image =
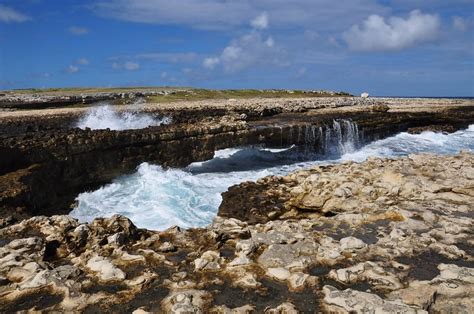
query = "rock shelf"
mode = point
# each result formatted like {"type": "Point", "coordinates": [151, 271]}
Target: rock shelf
{"type": "Point", "coordinates": [398, 240]}
{"type": "Point", "coordinates": [385, 235]}
{"type": "Point", "coordinates": [45, 162]}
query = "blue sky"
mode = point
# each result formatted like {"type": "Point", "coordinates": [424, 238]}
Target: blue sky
{"type": "Point", "coordinates": [385, 47]}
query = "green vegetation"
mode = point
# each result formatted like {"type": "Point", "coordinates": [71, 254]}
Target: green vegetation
{"type": "Point", "coordinates": [204, 94]}
{"type": "Point", "coordinates": [173, 94]}
{"type": "Point", "coordinates": [88, 90]}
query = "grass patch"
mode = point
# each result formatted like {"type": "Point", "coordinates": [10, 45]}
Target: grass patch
{"type": "Point", "coordinates": [205, 94]}
{"type": "Point", "coordinates": [89, 90]}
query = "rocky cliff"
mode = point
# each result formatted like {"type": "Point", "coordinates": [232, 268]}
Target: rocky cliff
{"type": "Point", "coordinates": [45, 162]}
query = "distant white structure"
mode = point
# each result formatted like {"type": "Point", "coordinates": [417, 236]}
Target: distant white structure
{"type": "Point", "coordinates": [364, 95]}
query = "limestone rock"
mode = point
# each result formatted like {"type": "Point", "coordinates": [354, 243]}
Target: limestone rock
{"type": "Point", "coordinates": [209, 260]}
{"type": "Point", "coordinates": [367, 271]}
{"type": "Point", "coordinates": [400, 228]}
{"type": "Point", "coordinates": [106, 271]}
{"type": "Point", "coordinates": [186, 301]}
{"type": "Point", "coordinates": [297, 280]}
{"type": "Point", "coordinates": [279, 273]}
{"type": "Point", "coordinates": [352, 243]}
{"type": "Point", "coordinates": [284, 308]}
{"type": "Point", "coordinates": [362, 302]}
{"type": "Point", "coordinates": [421, 294]}
{"type": "Point", "coordinates": [453, 272]}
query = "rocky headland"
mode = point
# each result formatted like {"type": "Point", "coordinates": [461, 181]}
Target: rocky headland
{"type": "Point", "coordinates": [379, 236]}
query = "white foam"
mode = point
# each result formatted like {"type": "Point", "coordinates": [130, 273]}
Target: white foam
{"type": "Point", "coordinates": [105, 117]}
{"type": "Point", "coordinates": [226, 153]}
{"type": "Point", "coordinates": [229, 152]}
{"type": "Point", "coordinates": [405, 143]}
{"type": "Point", "coordinates": [278, 150]}
{"type": "Point", "coordinates": [155, 198]}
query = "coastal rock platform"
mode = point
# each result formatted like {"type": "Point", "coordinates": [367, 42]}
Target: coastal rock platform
{"type": "Point", "coordinates": [391, 236]}
{"type": "Point", "coordinates": [46, 160]}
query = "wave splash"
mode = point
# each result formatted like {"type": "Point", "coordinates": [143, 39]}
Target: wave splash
{"type": "Point", "coordinates": [155, 198]}
{"type": "Point", "coordinates": [106, 117]}
{"type": "Point", "coordinates": [404, 143]}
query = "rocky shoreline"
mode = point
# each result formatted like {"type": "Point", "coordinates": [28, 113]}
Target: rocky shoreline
{"type": "Point", "coordinates": [385, 235]}
{"type": "Point", "coordinates": [45, 162]}
{"type": "Point", "coordinates": [380, 236]}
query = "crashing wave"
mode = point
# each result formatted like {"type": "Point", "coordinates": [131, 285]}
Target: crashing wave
{"type": "Point", "coordinates": [106, 117]}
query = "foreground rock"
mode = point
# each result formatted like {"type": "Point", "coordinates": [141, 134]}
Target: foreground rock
{"type": "Point", "coordinates": [391, 236]}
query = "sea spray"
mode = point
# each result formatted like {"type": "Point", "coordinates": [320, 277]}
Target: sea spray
{"type": "Point", "coordinates": [157, 199]}
{"type": "Point", "coordinates": [105, 116]}
{"type": "Point", "coordinates": [404, 143]}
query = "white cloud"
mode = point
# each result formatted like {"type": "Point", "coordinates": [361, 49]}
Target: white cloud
{"type": "Point", "coordinates": [260, 22]}
{"type": "Point", "coordinates": [270, 42]}
{"type": "Point", "coordinates": [251, 49]}
{"type": "Point", "coordinates": [183, 57]}
{"type": "Point", "coordinates": [78, 31]}
{"type": "Point", "coordinates": [459, 24]}
{"type": "Point", "coordinates": [83, 61]}
{"type": "Point", "coordinates": [396, 33]}
{"type": "Point", "coordinates": [128, 65]}
{"type": "Point", "coordinates": [9, 15]}
{"type": "Point", "coordinates": [209, 14]}
{"type": "Point", "coordinates": [211, 63]}
{"type": "Point", "coordinates": [222, 15]}
{"type": "Point", "coordinates": [72, 69]}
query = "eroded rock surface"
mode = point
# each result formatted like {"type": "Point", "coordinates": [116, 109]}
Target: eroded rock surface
{"type": "Point", "coordinates": [390, 236]}
{"type": "Point", "coordinates": [45, 161]}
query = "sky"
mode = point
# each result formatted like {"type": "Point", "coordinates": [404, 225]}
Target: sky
{"type": "Point", "coordinates": [383, 47]}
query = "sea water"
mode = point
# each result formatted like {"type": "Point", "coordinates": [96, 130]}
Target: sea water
{"type": "Point", "coordinates": [157, 198]}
